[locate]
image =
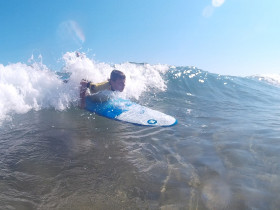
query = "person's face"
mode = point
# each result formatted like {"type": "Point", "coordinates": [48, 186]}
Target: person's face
{"type": "Point", "coordinates": [118, 85]}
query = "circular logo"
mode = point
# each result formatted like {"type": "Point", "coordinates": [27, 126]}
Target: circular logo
{"type": "Point", "coordinates": [151, 121]}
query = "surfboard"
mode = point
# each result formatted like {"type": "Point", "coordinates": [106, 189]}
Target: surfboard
{"type": "Point", "coordinates": [130, 112]}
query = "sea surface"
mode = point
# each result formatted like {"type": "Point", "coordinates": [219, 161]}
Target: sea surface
{"type": "Point", "coordinates": [224, 153]}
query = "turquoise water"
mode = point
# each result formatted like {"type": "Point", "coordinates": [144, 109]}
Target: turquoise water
{"type": "Point", "coordinates": [222, 154]}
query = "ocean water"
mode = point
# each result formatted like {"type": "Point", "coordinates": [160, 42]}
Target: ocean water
{"type": "Point", "coordinates": [222, 154]}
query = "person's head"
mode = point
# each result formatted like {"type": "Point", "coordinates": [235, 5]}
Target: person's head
{"type": "Point", "coordinates": [117, 80]}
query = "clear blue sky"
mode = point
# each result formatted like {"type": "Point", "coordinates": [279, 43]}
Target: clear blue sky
{"type": "Point", "coordinates": [235, 37]}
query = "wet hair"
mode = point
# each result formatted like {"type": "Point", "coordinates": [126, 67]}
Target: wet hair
{"type": "Point", "coordinates": [116, 74]}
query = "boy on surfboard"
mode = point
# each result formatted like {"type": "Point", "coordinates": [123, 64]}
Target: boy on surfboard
{"type": "Point", "coordinates": [89, 89]}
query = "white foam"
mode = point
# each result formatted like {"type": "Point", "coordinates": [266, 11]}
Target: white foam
{"type": "Point", "coordinates": [139, 77]}
{"type": "Point", "coordinates": [273, 79]}
{"type": "Point", "coordinates": [33, 87]}
{"type": "Point", "coordinates": [25, 87]}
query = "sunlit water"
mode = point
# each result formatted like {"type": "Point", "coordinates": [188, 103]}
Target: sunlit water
{"type": "Point", "coordinates": [222, 154]}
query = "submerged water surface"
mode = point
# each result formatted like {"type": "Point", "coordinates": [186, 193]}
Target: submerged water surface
{"type": "Point", "coordinates": [222, 154]}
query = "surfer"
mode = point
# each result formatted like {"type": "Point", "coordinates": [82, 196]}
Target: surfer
{"type": "Point", "coordinates": [89, 89]}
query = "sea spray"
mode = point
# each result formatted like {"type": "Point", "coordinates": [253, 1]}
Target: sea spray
{"type": "Point", "coordinates": [34, 86]}
{"type": "Point", "coordinates": [139, 77]}
{"type": "Point", "coordinates": [25, 87]}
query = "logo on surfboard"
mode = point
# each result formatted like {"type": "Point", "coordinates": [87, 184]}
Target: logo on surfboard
{"type": "Point", "coordinates": [151, 121]}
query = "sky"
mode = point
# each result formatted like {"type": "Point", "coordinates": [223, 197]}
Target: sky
{"type": "Point", "coordinates": [229, 37]}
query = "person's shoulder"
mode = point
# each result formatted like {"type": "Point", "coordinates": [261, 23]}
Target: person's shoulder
{"type": "Point", "coordinates": [100, 86]}
{"type": "Point", "coordinates": [102, 83]}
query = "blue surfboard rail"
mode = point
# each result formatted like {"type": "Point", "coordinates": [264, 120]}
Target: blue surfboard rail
{"type": "Point", "coordinates": [106, 109]}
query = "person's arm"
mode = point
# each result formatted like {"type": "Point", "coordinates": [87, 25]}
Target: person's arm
{"type": "Point", "coordinates": [91, 86]}
{"type": "Point", "coordinates": [83, 89]}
